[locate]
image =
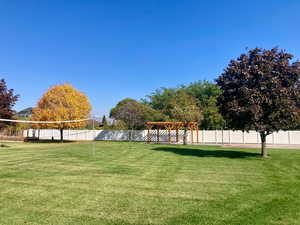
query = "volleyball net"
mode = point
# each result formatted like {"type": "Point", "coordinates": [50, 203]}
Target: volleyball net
{"type": "Point", "coordinates": [43, 122]}
{"type": "Point", "coordinates": [19, 130]}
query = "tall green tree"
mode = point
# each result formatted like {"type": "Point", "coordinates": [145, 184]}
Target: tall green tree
{"type": "Point", "coordinates": [261, 91]}
{"type": "Point", "coordinates": [184, 108]}
{"type": "Point", "coordinates": [206, 94]}
{"type": "Point", "coordinates": [7, 102]}
{"type": "Point", "coordinates": [161, 99]}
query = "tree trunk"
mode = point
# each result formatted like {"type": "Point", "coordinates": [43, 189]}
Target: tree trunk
{"type": "Point", "coordinates": [264, 151]}
{"type": "Point", "coordinates": [131, 133]}
{"type": "Point", "coordinates": [61, 134]}
{"type": "Point", "coordinates": [185, 136]}
{"type": "Point", "coordinates": [129, 136]}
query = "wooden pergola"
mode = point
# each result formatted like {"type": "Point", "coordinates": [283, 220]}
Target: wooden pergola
{"type": "Point", "coordinates": [169, 126]}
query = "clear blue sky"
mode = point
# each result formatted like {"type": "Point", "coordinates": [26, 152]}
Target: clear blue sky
{"type": "Point", "coordinates": [115, 49]}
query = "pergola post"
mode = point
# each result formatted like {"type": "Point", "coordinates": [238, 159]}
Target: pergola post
{"type": "Point", "coordinates": [170, 126]}
{"type": "Point", "coordinates": [148, 135]}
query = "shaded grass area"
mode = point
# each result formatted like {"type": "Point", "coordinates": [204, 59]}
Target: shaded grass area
{"type": "Point", "coordinates": [134, 184]}
{"type": "Point", "coordinates": [208, 153]}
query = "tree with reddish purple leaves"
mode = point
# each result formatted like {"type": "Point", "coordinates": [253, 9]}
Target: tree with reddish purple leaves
{"type": "Point", "coordinates": [7, 102]}
{"type": "Point", "coordinates": [261, 91]}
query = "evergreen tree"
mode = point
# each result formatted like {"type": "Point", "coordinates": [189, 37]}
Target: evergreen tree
{"type": "Point", "coordinates": [104, 121]}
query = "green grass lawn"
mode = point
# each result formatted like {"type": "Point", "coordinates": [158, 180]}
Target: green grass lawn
{"type": "Point", "coordinates": [134, 183]}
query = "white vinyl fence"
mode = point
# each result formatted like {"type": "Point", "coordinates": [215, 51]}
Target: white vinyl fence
{"type": "Point", "coordinates": [204, 136]}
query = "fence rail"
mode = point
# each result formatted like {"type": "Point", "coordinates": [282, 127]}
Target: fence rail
{"type": "Point", "coordinates": [204, 136]}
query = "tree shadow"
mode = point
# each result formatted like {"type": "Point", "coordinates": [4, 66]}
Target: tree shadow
{"type": "Point", "coordinates": [207, 153]}
{"type": "Point", "coordinates": [4, 146]}
{"type": "Point", "coordinates": [47, 141]}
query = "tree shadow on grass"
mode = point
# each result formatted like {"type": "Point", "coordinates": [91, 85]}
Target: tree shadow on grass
{"type": "Point", "coordinates": [4, 146]}
{"type": "Point", "coordinates": [207, 153]}
{"type": "Point", "coordinates": [47, 141]}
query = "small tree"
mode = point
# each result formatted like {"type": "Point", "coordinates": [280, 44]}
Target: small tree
{"type": "Point", "coordinates": [104, 121]}
{"type": "Point", "coordinates": [261, 91]}
{"type": "Point", "coordinates": [131, 113]}
{"type": "Point", "coordinates": [7, 102]}
{"type": "Point", "coordinates": [61, 103]}
{"type": "Point", "coordinates": [184, 108]}
{"type": "Point", "coordinates": [141, 113]}
{"type": "Point", "coordinates": [134, 114]}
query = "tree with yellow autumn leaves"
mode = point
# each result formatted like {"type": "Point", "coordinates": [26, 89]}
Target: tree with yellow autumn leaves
{"type": "Point", "coordinates": [62, 103]}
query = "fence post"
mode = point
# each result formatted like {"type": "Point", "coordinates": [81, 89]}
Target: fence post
{"type": "Point", "coordinates": [222, 134]}
{"type": "Point", "coordinates": [229, 136]}
{"type": "Point", "coordinates": [289, 137]}
{"type": "Point", "coordinates": [216, 138]}
{"type": "Point", "coordinates": [243, 137]}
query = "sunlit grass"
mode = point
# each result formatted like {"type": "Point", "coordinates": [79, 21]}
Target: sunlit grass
{"type": "Point", "coordinates": [135, 183]}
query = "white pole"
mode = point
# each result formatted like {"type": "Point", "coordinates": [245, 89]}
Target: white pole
{"type": "Point", "coordinates": [94, 136]}
{"type": "Point", "coordinates": [216, 139]}
{"type": "Point", "coordinates": [222, 136]}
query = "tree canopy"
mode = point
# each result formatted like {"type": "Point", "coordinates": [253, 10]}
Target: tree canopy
{"type": "Point", "coordinates": [160, 100]}
{"type": "Point", "coordinates": [184, 108]}
{"type": "Point", "coordinates": [135, 114]}
{"type": "Point", "coordinates": [61, 103]}
{"type": "Point", "coordinates": [7, 102]}
{"type": "Point", "coordinates": [261, 91]}
{"type": "Point", "coordinates": [206, 94]}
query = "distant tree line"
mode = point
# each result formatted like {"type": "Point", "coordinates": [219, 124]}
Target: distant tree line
{"type": "Point", "coordinates": [160, 106]}
{"type": "Point", "coordinates": [260, 90]}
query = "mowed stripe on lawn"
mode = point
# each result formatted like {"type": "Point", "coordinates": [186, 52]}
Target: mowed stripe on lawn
{"type": "Point", "coordinates": [136, 183]}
